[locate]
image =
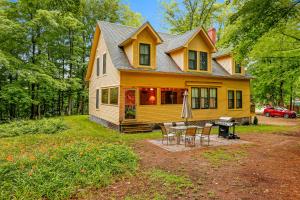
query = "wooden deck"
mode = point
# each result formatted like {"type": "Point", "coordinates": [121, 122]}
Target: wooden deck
{"type": "Point", "coordinates": [135, 127]}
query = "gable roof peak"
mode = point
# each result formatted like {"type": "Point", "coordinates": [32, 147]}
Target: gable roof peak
{"type": "Point", "coordinates": [138, 30]}
{"type": "Point", "coordinates": [182, 40]}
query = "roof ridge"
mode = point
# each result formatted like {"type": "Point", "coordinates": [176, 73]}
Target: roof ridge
{"type": "Point", "coordinates": [118, 24]}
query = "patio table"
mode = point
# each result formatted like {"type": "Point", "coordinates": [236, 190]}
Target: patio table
{"type": "Point", "coordinates": [179, 129]}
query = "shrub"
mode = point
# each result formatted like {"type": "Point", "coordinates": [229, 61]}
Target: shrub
{"type": "Point", "coordinates": [255, 120]}
{"type": "Point", "coordinates": [47, 126]}
{"type": "Point", "coordinates": [59, 173]}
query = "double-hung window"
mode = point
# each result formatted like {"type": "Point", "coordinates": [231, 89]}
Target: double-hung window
{"type": "Point", "coordinates": [104, 64]}
{"type": "Point", "coordinates": [204, 98]}
{"type": "Point", "coordinates": [195, 98]}
{"type": "Point", "coordinates": [192, 60]}
{"type": "Point", "coordinates": [98, 66]}
{"type": "Point", "coordinates": [104, 96]}
{"type": "Point", "coordinates": [239, 99]}
{"type": "Point", "coordinates": [230, 99]}
{"type": "Point", "coordinates": [213, 98]}
{"type": "Point", "coordinates": [203, 61]}
{"type": "Point", "coordinates": [97, 99]}
{"type": "Point", "coordinates": [144, 54]}
{"type": "Point", "coordinates": [113, 95]}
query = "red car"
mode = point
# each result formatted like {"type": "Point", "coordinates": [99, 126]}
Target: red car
{"type": "Point", "coordinates": [279, 112]}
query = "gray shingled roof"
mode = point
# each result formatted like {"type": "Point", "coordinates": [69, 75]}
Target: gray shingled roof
{"type": "Point", "coordinates": [222, 52]}
{"type": "Point", "coordinates": [114, 34]}
{"type": "Point", "coordinates": [138, 29]}
{"type": "Point", "coordinates": [180, 40]}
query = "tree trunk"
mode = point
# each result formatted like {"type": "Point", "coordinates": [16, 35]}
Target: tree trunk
{"type": "Point", "coordinates": [70, 98]}
{"type": "Point", "coordinates": [58, 103]}
{"type": "Point", "coordinates": [291, 98]}
{"type": "Point", "coordinates": [281, 100]}
{"type": "Point", "coordinates": [32, 114]}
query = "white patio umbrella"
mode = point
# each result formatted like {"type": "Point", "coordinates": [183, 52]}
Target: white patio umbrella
{"type": "Point", "coordinates": [186, 112]}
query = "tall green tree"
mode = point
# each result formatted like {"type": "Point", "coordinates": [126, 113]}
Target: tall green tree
{"type": "Point", "coordinates": [182, 16]}
{"type": "Point", "coordinates": [188, 14]}
{"type": "Point", "coordinates": [255, 18]}
{"type": "Point", "coordinates": [265, 34]}
{"type": "Point", "coordinates": [44, 50]}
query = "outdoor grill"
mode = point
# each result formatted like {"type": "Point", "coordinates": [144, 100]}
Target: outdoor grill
{"type": "Point", "coordinates": [225, 124]}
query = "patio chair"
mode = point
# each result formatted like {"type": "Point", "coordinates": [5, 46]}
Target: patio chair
{"type": "Point", "coordinates": [190, 136]}
{"type": "Point", "coordinates": [166, 135]}
{"type": "Point", "coordinates": [181, 134]}
{"type": "Point", "coordinates": [168, 126]}
{"type": "Point", "coordinates": [206, 133]}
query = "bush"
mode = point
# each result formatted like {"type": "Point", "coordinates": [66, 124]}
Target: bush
{"type": "Point", "coordinates": [255, 120]}
{"type": "Point", "coordinates": [59, 173]}
{"type": "Point", "coordinates": [47, 126]}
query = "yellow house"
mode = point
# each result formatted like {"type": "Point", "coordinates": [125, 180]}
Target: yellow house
{"type": "Point", "coordinates": [138, 76]}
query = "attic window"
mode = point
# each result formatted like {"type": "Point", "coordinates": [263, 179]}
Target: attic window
{"type": "Point", "coordinates": [192, 60]}
{"type": "Point", "coordinates": [145, 54]}
{"type": "Point", "coordinates": [238, 68]}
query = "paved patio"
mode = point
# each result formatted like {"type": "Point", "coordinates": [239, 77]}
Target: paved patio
{"type": "Point", "coordinates": [214, 141]}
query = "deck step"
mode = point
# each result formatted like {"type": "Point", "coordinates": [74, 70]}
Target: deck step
{"type": "Point", "coordinates": [135, 127]}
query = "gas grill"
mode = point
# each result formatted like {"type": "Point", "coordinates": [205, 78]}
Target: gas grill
{"type": "Point", "coordinates": [225, 124]}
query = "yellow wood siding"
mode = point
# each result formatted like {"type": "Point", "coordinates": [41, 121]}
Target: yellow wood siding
{"type": "Point", "coordinates": [146, 37]}
{"type": "Point", "coordinates": [228, 64]}
{"type": "Point", "coordinates": [167, 113]}
{"type": "Point", "coordinates": [129, 52]}
{"type": "Point", "coordinates": [178, 57]}
{"type": "Point", "coordinates": [198, 44]}
{"type": "Point", "coordinates": [111, 78]}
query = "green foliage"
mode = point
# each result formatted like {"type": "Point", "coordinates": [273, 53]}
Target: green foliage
{"type": "Point", "coordinates": [189, 14]}
{"type": "Point", "coordinates": [22, 127]}
{"type": "Point", "coordinates": [45, 47]}
{"type": "Point", "coordinates": [28, 171]}
{"type": "Point", "coordinates": [60, 172]}
{"type": "Point", "coordinates": [218, 156]}
{"type": "Point", "coordinates": [265, 36]}
{"type": "Point", "coordinates": [255, 120]}
{"type": "Point", "coordinates": [254, 19]}
{"type": "Point", "coordinates": [276, 68]}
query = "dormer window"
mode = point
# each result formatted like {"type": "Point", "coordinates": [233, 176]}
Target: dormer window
{"type": "Point", "coordinates": [203, 61]}
{"type": "Point", "coordinates": [238, 68]}
{"type": "Point", "coordinates": [192, 60]}
{"type": "Point", "coordinates": [144, 54]}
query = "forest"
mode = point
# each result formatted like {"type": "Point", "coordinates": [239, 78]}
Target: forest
{"type": "Point", "coordinates": [45, 46]}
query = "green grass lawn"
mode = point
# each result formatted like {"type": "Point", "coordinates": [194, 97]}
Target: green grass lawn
{"type": "Point", "coordinates": [57, 165]}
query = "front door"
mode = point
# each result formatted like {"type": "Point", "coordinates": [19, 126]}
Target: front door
{"type": "Point", "coordinates": [130, 103]}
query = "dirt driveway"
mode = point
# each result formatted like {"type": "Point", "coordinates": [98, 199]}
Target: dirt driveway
{"type": "Point", "coordinates": [277, 121]}
{"type": "Point", "coordinates": [269, 168]}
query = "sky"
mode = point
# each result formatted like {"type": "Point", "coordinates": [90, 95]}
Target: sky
{"type": "Point", "coordinates": [151, 10]}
